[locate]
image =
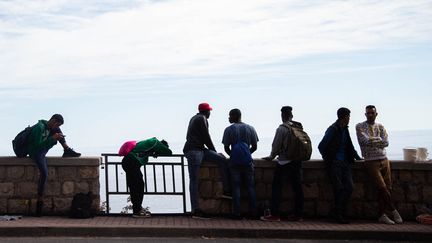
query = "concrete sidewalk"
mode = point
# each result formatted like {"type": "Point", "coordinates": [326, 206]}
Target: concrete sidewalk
{"type": "Point", "coordinates": [183, 226]}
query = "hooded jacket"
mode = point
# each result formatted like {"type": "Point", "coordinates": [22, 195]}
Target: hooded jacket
{"type": "Point", "coordinates": [40, 139]}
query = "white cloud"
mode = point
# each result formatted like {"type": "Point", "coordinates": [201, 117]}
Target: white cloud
{"type": "Point", "coordinates": [46, 42]}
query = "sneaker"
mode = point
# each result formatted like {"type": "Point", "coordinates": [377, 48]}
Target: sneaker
{"type": "Point", "coordinates": [271, 218]}
{"type": "Point", "coordinates": [69, 153]}
{"type": "Point", "coordinates": [143, 213]}
{"type": "Point", "coordinates": [295, 218]}
{"type": "Point", "coordinates": [198, 214]}
{"type": "Point", "coordinates": [252, 216]}
{"type": "Point", "coordinates": [385, 219]}
{"type": "Point", "coordinates": [235, 217]}
{"type": "Point", "coordinates": [396, 217]}
{"type": "Point", "coordinates": [341, 219]}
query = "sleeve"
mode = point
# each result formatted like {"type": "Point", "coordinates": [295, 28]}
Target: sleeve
{"type": "Point", "coordinates": [356, 155]}
{"type": "Point", "coordinates": [384, 137]}
{"type": "Point", "coordinates": [225, 138]}
{"type": "Point", "coordinates": [277, 142]}
{"type": "Point", "coordinates": [254, 137]}
{"type": "Point", "coordinates": [38, 141]}
{"type": "Point", "coordinates": [328, 136]}
{"type": "Point", "coordinates": [362, 136]}
{"type": "Point", "coordinates": [161, 149]}
{"type": "Point", "coordinates": [203, 126]}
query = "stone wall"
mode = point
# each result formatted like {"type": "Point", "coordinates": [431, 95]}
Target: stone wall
{"type": "Point", "coordinates": [412, 189]}
{"type": "Point", "coordinates": [66, 177]}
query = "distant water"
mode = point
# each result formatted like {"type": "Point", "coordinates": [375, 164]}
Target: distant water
{"type": "Point", "coordinates": [170, 204]}
{"type": "Point", "coordinates": [398, 140]}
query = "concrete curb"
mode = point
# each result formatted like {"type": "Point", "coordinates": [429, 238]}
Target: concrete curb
{"type": "Point", "coordinates": [133, 231]}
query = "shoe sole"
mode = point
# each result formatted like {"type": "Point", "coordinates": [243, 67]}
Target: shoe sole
{"type": "Point", "coordinates": [141, 216]}
{"type": "Point", "coordinates": [268, 220]}
{"type": "Point", "coordinates": [198, 217]}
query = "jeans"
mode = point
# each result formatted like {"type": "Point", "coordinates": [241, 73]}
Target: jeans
{"type": "Point", "coordinates": [58, 130]}
{"type": "Point", "coordinates": [340, 173]}
{"type": "Point", "coordinates": [195, 158]}
{"type": "Point", "coordinates": [40, 160]}
{"type": "Point", "coordinates": [135, 182]}
{"type": "Point", "coordinates": [292, 172]}
{"type": "Point", "coordinates": [248, 174]}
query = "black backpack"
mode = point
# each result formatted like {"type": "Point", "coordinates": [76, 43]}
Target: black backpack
{"type": "Point", "coordinates": [81, 206]}
{"type": "Point", "coordinates": [20, 143]}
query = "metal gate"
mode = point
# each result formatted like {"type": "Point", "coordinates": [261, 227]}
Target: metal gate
{"type": "Point", "coordinates": [168, 164]}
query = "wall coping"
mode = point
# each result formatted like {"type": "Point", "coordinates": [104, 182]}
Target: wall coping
{"type": "Point", "coordinates": [53, 161]}
{"type": "Point", "coordinates": [320, 164]}
{"type": "Point", "coordinates": [311, 164]}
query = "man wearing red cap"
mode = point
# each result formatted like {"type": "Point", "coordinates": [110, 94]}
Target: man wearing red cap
{"type": "Point", "coordinates": [199, 147]}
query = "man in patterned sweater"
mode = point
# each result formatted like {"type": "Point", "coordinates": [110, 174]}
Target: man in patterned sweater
{"type": "Point", "coordinates": [373, 140]}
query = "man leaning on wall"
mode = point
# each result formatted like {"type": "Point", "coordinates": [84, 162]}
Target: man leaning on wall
{"type": "Point", "coordinates": [373, 140]}
{"type": "Point", "coordinates": [338, 152]}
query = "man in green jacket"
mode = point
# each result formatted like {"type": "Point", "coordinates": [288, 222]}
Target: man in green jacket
{"type": "Point", "coordinates": [131, 164]}
{"type": "Point", "coordinates": [43, 136]}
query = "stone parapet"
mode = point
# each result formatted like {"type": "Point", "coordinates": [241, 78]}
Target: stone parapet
{"type": "Point", "coordinates": [66, 177]}
{"type": "Point", "coordinates": [412, 189]}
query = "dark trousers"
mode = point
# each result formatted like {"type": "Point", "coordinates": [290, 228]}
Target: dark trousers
{"type": "Point", "coordinates": [40, 159]}
{"type": "Point", "coordinates": [135, 182]}
{"type": "Point", "coordinates": [340, 173]}
{"type": "Point", "coordinates": [247, 173]}
{"type": "Point", "coordinates": [293, 173]}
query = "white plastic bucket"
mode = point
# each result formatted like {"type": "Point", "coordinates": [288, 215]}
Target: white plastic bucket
{"type": "Point", "coordinates": [410, 154]}
{"type": "Point", "coordinates": [422, 154]}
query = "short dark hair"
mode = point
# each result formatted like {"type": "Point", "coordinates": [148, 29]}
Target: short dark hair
{"type": "Point", "coordinates": [235, 114]}
{"type": "Point", "coordinates": [57, 118]}
{"type": "Point", "coordinates": [286, 110]}
{"type": "Point", "coordinates": [343, 112]}
{"type": "Point", "coordinates": [164, 143]}
{"type": "Point", "coordinates": [370, 107]}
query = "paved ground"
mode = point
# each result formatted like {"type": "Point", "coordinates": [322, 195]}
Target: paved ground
{"type": "Point", "coordinates": [182, 226]}
{"type": "Point", "coordinates": [169, 240]}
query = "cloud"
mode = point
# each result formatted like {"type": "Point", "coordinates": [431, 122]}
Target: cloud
{"type": "Point", "coordinates": [80, 43]}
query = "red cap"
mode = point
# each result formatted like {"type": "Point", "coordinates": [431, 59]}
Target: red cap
{"type": "Point", "coordinates": [204, 107]}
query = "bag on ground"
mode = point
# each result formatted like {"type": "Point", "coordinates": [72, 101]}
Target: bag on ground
{"type": "Point", "coordinates": [81, 206]}
{"type": "Point", "coordinates": [20, 143]}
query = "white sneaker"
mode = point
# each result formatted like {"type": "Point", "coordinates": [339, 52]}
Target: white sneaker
{"type": "Point", "coordinates": [397, 218]}
{"type": "Point", "coordinates": [143, 213]}
{"type": "Point", "coordinates": [385, 219]}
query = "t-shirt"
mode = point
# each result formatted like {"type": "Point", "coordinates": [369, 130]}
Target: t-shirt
{"type": "Point", "coordinates": [239, 131]}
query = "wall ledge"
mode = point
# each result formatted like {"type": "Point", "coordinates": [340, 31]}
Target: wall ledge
{"type": "Point", "coordinates": [53, 161]}
{"type": "Point", "coordinates": [320, 164]}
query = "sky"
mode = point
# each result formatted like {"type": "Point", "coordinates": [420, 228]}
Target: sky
{"type": "Point", "coordinates": [129, 70]}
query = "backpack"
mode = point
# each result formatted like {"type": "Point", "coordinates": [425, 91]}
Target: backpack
{"type": "Point", "coordinates": [20, 143]}
{"type": "Point", "coordinates": [240, 153]}
{"type": "Point", "coordinates": [300, 145]}
{"type": "Point", "coordinates": [81, 206]}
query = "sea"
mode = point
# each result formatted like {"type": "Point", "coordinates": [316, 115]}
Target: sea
{"type": "Point", "coordinates": [174, 203]}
